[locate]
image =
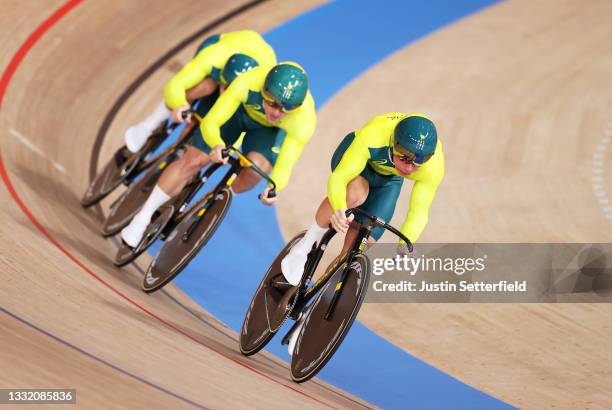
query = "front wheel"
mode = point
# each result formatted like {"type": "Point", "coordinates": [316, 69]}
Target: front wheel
{"type": "Point", "coordinates": [319, 338]}
{"type": "Point", "coordinates": [179, 249]}
{"type": "Point", "coordinates": [268, 308]}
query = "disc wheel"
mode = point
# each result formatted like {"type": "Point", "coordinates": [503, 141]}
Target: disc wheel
{"type": "Point", "coordinates": [177, 250]}
{"type": "Point", "coordinates": [124, 209]}
{"type": "Point", "coordinates": [112, 175]}
{"type": "Point", "coordinates": [319, 338]}
{"type": "Point", "coordinates": [268, 308]}
{"type": "Point", "coordinates": [125, 254]}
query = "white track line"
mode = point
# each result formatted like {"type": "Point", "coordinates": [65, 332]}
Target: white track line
{"type": "Point", "coordinates": [29, 144]}
{"type": "Point", "coordinates": [597, 177]}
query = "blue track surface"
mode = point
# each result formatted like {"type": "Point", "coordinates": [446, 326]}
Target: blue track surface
{"type": "Point", "coordinates": [224, 275]}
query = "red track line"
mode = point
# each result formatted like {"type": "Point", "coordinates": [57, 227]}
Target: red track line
{"type": "Point", "coordinates": [4, 82]}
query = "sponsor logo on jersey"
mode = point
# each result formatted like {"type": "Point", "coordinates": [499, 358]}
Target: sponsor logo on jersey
{"type": "Point", "coordinates": [256, 107]}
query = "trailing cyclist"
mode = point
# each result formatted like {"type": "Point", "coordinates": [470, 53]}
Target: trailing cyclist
{"type": "Point", "coordinates": [273, 106]}
{"type": "Point", "coordinates": [200, 78]}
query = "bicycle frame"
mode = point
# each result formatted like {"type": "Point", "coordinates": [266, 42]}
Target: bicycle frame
{"type": "Point", "coordinates": [358, 246]}
{"type": "Point", "coordinates": [365, 230]}
{"type": "Point", "coordinates": [236, 165]}
{"type": "Point", "coordinates": [182, 140]}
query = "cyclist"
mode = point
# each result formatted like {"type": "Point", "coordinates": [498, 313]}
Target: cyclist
{"type": "Point", "coordinates": [199, 78]}
{"type": "Point", "coordinates": [368, 169]}
{"type": "Point", "coordinates": [273, 107]}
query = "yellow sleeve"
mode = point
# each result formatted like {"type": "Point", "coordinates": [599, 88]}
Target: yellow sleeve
{"type": "Point", "coordinates": [190, 75]}
{"type": "Point", "coordinates": [223, 109]}
{"type": "Point", "coordinates": [422, 195]}
{"type": "Point", "coordinates": [292, 148]}
{"type": "Point", "coordinates": [420, 200]}
{"type": "Point", "coordinates": [350, 166]}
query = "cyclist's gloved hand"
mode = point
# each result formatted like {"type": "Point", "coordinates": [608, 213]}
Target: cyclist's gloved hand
{"type": "Point", "coordinates": [177, 115]}
{"type": "Point", "coordinates": [216, 154]}
{"type": "Point", "coordinates": [264, 197]}
{"type": "Point", "coordinates": [339, 221]}
{"type": "Point", "coordinates": [402, 249]}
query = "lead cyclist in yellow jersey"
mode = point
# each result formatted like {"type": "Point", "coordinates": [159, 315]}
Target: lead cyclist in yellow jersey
{"type": "Point", "coordinates": [273, 106]}
{"type": "Point", "coordinates": [201, 77]}
{"type": "Point", "coordinates": [369, 167]}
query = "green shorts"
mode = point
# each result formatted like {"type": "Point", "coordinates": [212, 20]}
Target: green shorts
{"type": "Point", "coordinates": [257, 138]}
{"type": "Point", "coordinates": [383, 189]}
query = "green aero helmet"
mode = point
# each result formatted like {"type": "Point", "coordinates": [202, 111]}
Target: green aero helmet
{"type": "Point", "coordinates": [237, 64]}
{"type": "Point", "coordinates": [417, 134]}
{"type": "Point", "coordinates": [286, 83]}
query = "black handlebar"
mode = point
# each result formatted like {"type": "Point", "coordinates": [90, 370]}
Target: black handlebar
{"type": "Point", "coordinates": [185, 114]}
{"type": "Point", "coordinates": [226, 153]}
{"type": "Point", "coordinates": [271, 194]}
{"type": "Point", "coordinates": [374, 220]}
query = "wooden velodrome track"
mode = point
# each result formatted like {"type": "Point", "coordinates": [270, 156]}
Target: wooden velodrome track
{"type": "Point", "coordinates": [522, 95]}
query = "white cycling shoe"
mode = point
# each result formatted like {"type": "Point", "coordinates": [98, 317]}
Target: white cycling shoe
{"type": "Point", "coordinates": [292, 265]}
{"type": "Point", "coordinates": [133, 233]}
{"type": "Point", "coordinates": [136, 136]}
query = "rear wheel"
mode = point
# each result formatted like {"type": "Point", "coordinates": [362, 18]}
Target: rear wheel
{"type": "Point", "coordinates": [111, 176]}
{"type": "Point", "coordinates": [125, 254]}
{"type": "Point", "coordinates": [178, 250]}
{"type": "Point", "coordinates": [130, 202]}
{"type": "Point", "coordinates": [319, 338]}
{"type": "Point", "coordinates": [122, 167]}
{"type": "Point", "coordinates": [268, 309]}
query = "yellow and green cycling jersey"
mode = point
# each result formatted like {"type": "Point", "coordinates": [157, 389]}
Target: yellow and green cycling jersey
{"type": "Point", "coordinates": [369, 149]}
{"type": "Point", "coordinates": [211, 59]}
{"type": "Point", "coordinates": [245, 92]}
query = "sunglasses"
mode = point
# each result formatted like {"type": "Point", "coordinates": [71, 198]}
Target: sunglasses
{"type": "Point", "coordinates": [408, 157]}
{"type": "Point", "coordinates": [284, 107]}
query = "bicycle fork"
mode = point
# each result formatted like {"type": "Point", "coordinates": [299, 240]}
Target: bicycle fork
{"type": "Point", "coordinates": [364, 233]}
{"type": "Point", "coordinates": [227, 181]}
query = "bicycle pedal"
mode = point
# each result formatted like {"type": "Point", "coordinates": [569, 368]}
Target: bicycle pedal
{"type": "Point", "coordinates": [293, 329]}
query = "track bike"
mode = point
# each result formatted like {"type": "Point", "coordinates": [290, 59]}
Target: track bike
{"type": "Point", "coordinates": [124, 166]}
{"type": "Point", "coordinates": [123, 209]}
{"type": "Point", "coordinates": [323, 311]}
{"type": "Point", "coordinates": [186, 228]}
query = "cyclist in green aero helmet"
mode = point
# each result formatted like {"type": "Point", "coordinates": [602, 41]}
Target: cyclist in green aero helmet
{"type": "Point", "coordinates": [287, 84]}
{"type": "Point", "coordinates": [236, 65]}
{"type": "Point", "coordinates": [368, 170]}
{"type": "Point", "coordinates": [199, 78]}
{"type": "Point", "coordinates": [272, 106]}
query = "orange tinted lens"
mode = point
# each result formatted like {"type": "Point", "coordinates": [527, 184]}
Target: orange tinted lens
{"type": "Point", "coordinates": [267, 96]}
{"type": "Point", "coordinates": [271, 101]}
{"type": "Point", "coordinates": [404, 155]}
